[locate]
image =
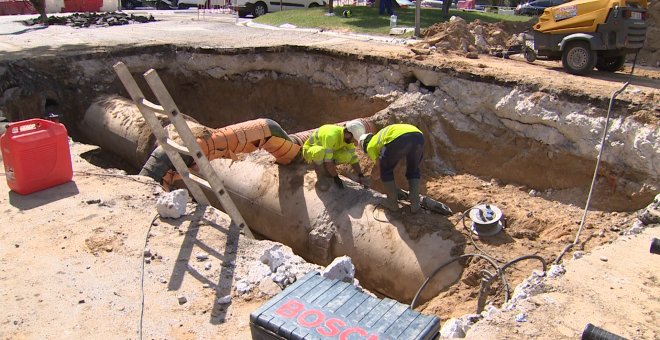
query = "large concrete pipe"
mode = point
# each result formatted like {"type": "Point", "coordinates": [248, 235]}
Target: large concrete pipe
{"type": "Point", "coordinates": [281, 203]}
{"type": "Point", "coordinates": [115, 124]}
{"type": "Point", "coordinates": [393, 254]}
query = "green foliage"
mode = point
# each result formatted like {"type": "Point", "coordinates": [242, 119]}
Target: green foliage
{"type": "Point", "coordinates": [367, 20]}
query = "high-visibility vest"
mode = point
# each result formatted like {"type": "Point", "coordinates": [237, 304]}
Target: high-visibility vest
{"type": "Point", "coordinates": [386, 135]}
{"type": "Point", "coordinates": [331, 138]}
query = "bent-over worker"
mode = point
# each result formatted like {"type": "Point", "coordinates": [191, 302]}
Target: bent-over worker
{"type": "Point", "coordinates": [330, 145]}
{"type": "Point", "coordinates": [387, 147]}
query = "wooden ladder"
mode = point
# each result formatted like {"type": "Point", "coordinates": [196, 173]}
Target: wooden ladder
{"type": "Point", "coordinates": [210, 180]}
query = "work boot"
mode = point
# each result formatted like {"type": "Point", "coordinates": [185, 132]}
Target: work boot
{"type": "Point", "coordinates": [322, 180]}
{"type": "Point", "coordinates": [414, 195]}
{"type": "Point", "coordinates": [391, 202]}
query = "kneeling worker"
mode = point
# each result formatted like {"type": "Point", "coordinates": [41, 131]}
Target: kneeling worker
{"type": "Point", "coordinates": [387, 147]}
{"type": "Point", "coordinates": [330, 145]}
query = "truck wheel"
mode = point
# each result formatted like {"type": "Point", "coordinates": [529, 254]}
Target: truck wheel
{"type": "Point", "coordinates": [578, 58]}
{"type": "Point", "coordinates": [529, 54]}
{"type": "Point", "coordinates": [610, 64]}
{"type": "Point", "coordinates": [259, 9]}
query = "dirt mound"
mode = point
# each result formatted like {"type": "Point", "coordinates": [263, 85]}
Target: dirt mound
{"type": "Point", "coordinates": [650, 54]}
{"type": "Point", "coordinates": [476, 36]}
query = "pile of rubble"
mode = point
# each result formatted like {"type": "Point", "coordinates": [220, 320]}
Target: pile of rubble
{"type": "Point", "coordinates": [471, 38]}
{"type": "Point", "coordinates": [79, 20]}
{"type": "Point", "coordinates": [650, 53]}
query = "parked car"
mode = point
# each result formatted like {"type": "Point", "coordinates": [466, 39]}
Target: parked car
{"type": "Point", "coordinates": [260, 7]}
{"type": "Point", "coordinates": [536, 7]}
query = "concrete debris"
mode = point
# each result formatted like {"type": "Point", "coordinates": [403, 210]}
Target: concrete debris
{"type": "Point", "coordinates": [207, 266]}
{"type": "Point", "coordinates": [172, 204]}
{"type": "Point", "coordinates": [476, 36]}
{"type": "Point", "coordinates": [202, 256]}
{"type": "Point", "coordinates": [182, 299]}
{"type": "Point", "coordinates": [521, 317]}
{"type": "Point", "coordinates": [341, 269]}
{"type": "Point", "coordinates": [577, 255]}
{"type": "Point", "coordinates": [224, 300]}
{"type": "Point", "coordinates": [452, 328]}
{"type": "Point", "coordinates": [81, 20]}
{"type": "Point", "coordinates": [269, 288]}
{"type": "Point", "coordinates": [273, 257]}
{"type": "Point", "coordinates": [533, 285]}
{"type": "Point", "coordinates": [243, 287]}
{"type": "Point", "coordinates": [651, 214]}
{"type": "Point", "coordinates": [257, 272]}
{"type": "Point", "coordinates": [556, 270]}
{"type": "Point", "coordinates": [603, 258]}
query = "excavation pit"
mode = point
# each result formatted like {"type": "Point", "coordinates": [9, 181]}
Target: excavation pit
{"type": "Point", "coordinates": [486, 142]}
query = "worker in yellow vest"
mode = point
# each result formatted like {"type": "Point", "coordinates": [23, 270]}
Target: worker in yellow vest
{"type": "Point", "coordinates": [387, 147]}
{"type": "Point", "coordinates": [330, 145]}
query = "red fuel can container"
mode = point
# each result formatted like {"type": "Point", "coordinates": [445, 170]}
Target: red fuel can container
{"type": "Point", "coordinates": [36, 155]}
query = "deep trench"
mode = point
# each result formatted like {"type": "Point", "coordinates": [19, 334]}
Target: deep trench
{"type": "Point", "coordinates": [67, 86]}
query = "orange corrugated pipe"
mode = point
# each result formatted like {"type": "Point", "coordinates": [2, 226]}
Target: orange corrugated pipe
{"type": "Point", "coordinates": [250, 136]}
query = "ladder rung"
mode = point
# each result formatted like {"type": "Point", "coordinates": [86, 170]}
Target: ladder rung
{"type": "Point", "coordinates": [172, 145]}
{"type": "Point", "coordinates": [151, 106]}
{"type": "Point", "coordinates": [204, 183]}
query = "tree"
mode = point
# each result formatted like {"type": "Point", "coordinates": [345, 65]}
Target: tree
{"type": "Point", "coordinates": [445, 7]}
{"type": "Point", "coordinates": [40, 6]}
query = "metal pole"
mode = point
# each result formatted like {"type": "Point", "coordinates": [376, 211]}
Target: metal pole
{"type": "Point", "coordinates": [418, 6]}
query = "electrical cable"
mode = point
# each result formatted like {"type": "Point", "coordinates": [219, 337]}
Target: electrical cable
{"type": "Point", "coordinates": [500, 268]}
{"type": "Point", "coordinates": [600, 154]}
{"type": "Point", "coordinates": [129, 177]}
{"type": "Point", "coordinates": [146, 240]}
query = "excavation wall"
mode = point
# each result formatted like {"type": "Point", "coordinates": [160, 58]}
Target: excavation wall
{"type": "Point", "coordinates": [510, 133]}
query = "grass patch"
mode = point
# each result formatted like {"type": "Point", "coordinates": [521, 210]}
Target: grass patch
{"type": "Point", "coordinates": [367, 20]}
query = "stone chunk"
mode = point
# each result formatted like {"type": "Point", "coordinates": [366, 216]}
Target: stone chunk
{"type": "Point", "coordinates": [172, 204]}
{"type": "Point", "coordinates": [341, 269]}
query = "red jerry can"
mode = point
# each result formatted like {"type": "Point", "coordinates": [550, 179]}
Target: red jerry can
{"type": "Point", "coordinates": [36, 155]}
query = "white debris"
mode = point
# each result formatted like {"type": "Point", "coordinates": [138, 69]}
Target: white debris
{"type": "Point", "coordinates": [637, 228]}
{"type": "Point", "coordinates": [257, 272]}
{"type": "Point", "coordinates": [556, 270]}
{"type": "Point", "coordinates": [172, 204]}
{"type": "Point", "coordinates": [577, 255]}
{"type": "Point", "coordinates": [521, 317]}
{"type": "Point", "coordinates": [453, 328]}
{"type": "Point", "coordinates": [603, 258]}
{"type": "Point", "coordinates": [341, 268]}
{"type": "Point", "coordinates": [207, 266]}
{"type": "Point", "coordinates": [243, 287]}
{"type": "Point", "coordinates": [201, 256]}
{"type": "Point", "coordinates": [224, 300]}
{"type": "Point", "coordinates": [273, 257]}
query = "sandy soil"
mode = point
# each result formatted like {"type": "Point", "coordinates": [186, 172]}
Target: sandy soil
{"type": "Point", "coordinates": [71, 264]}
{"type": "Point", "coordinates": [72, 255]}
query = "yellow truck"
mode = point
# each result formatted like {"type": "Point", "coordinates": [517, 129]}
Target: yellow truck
{"type": "Point", "coordinates": [584, 34]}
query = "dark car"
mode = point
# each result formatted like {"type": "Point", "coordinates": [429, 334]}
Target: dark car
{"type": "Point", "coordinates": [536, 7]}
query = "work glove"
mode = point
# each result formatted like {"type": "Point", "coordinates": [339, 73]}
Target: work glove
{"type": "Point", "coordinates": [338, 182]}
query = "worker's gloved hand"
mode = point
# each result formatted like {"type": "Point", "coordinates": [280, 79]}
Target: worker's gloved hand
{"type": "Point", "coordinates": [338, 182]}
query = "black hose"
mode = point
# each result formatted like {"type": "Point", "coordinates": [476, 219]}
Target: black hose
{"type": "Point", "coordinates": [600, 154]}
{"type": "Point", "coordinates": [452, 260]}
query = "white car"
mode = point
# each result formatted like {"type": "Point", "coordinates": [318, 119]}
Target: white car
{"type": "Point", "coordinates": [261, 7]}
